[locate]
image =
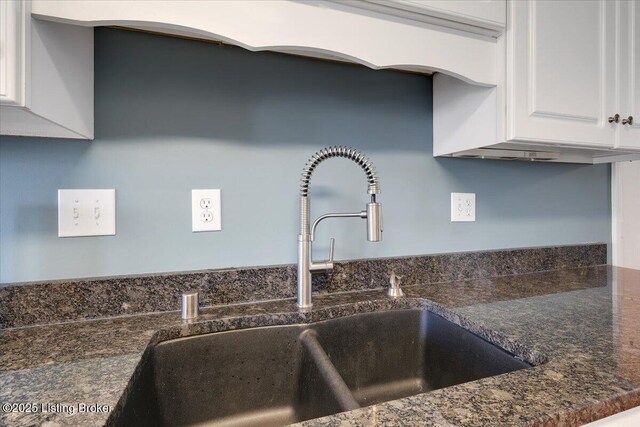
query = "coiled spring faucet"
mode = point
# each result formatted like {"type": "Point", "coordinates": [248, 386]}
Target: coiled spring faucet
{"type": "Point", "coordinates": [373, 215]}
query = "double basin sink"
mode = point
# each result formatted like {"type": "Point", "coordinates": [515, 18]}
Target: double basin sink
{"type": "Point", "coordinates": [278, 375]}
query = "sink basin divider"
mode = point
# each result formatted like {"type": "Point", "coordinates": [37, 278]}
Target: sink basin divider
{"type": "Point", "coordinates": [328, 371]}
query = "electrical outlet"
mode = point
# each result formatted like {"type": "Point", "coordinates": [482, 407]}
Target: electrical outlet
{"type": "Point", "coordinates": [205, 203]}
{"type": "Point", "coordinates": [206, 216]}
{"type": "Point", "coordinates": [206, 211]}
{"type": "Point", "coordinates": [463, 207]}
{"type": "Point", "coordinates": [86, 213]}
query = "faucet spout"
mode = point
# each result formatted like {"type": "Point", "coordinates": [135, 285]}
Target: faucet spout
{"type": "Point", "coordinates": [373, 215]}
{"type": "Point", "coordinates": [361, 214]}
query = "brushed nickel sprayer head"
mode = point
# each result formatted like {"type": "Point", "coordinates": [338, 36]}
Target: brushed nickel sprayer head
{"type": "Point", "coordinates": [373, 215]}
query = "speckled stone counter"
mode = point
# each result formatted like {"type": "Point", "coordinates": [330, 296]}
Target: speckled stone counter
{"type": "Point", "coordinates": [581, 327]}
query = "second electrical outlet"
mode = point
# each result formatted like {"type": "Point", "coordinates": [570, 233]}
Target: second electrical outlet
{"type": "Point", "coordinates": [463, 207]}
{"type": "Point", "coordinates": [206, 211]}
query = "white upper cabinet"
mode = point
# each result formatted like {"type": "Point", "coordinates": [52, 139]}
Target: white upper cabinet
{"type": "Point", "coordinates": [561, 61]}
{"type": "Point", "coordinates": [46, 76]}
{"type": "Point", "coordinates": [629, 109]}
{"type": "Point", "coordinates": [569, 81]}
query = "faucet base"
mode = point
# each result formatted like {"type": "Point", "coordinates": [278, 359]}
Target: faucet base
{"type": "Point", "coordinates": [304, 308]}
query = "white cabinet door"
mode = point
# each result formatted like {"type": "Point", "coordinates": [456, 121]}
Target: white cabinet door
{"type": "Point", "coordinates": [561, 72]}
{"type": "Point", "coordinates": [629, 134]}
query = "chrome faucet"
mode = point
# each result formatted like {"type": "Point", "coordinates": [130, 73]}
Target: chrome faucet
{"type": "Point", "coordinates": [373, 215]}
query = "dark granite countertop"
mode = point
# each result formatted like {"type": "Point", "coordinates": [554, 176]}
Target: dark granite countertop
{"type": "Point", "coordinates": [580, 326]}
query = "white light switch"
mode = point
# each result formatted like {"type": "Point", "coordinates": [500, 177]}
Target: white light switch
{"type": "Point", "coordinates": [463, 207]}
{"type": "Point", "coordinates": [206, 211]}
{"type": "Point", "coordinates": [86, 213]}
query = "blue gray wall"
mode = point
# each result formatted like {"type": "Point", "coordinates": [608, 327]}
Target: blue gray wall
{"type": "Point", "coordinates": [172, 115]}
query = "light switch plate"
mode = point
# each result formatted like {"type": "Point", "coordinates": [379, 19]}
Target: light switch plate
{"type": "Point", "coordinates": [206, 210]}
{"type": "Point", "coordinates": [86, 213]}
{"type": "Point", "coordinates": [463, 207]}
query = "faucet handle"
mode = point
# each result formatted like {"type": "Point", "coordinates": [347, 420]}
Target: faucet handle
{"type": "Point", "coordinates": [325, 266]}
{"type": "Point", "coordinates": [332, 247]}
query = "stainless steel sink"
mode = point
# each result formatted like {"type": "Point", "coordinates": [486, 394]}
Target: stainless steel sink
{"type": "Point", "coordinates": [273, 376]}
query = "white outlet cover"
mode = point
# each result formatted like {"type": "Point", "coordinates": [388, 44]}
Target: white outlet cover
{"type": "Point", "coordinates": [206, 210]}
{"type": "Point", "coordinates": [463, 207]}
{"type": "Point", "coordinates": [86, 213]}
